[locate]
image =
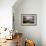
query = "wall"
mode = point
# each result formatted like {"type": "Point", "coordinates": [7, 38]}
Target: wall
{"type": "Point", "coordinates": [6, 13]}
{"type": "Point", "coordinates": [29, 7]}
{"type": "Point", "coordinates": [43, 22]}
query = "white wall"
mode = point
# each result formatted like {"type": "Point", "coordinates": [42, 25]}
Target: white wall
{"type": "Point", "coordinates": [43, 22]}
{"type": "Point", "coordinates": [29, 7]}
{"type": "Point", "coordinates": [6, 13]}
{"type": "Point", "coordinates": [39, 7]}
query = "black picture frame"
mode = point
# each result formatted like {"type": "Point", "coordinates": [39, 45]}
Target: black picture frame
{"type": "Point", "coordinates": [29, 19]}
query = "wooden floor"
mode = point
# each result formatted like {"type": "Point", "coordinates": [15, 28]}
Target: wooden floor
{"type": "Point", "coordinates": [9, 43]}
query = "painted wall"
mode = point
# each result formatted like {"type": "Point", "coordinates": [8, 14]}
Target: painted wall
{"type": "Point", "coordinates": [6, 13]}
{"type": "Point", "coordinates": [29, 7]}
{"type": "Point", "coordinates": [43, 22]}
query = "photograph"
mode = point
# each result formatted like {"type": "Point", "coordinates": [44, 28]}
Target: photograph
{"type": "Point", "coordinates": [29, 19]}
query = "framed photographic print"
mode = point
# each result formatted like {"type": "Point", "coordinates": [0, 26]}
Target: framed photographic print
{"type": "Point", "coordinates": [29, 19]}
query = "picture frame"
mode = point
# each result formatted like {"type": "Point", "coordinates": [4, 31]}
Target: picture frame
{"type": "Point", "coordinates": [29, 19]}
